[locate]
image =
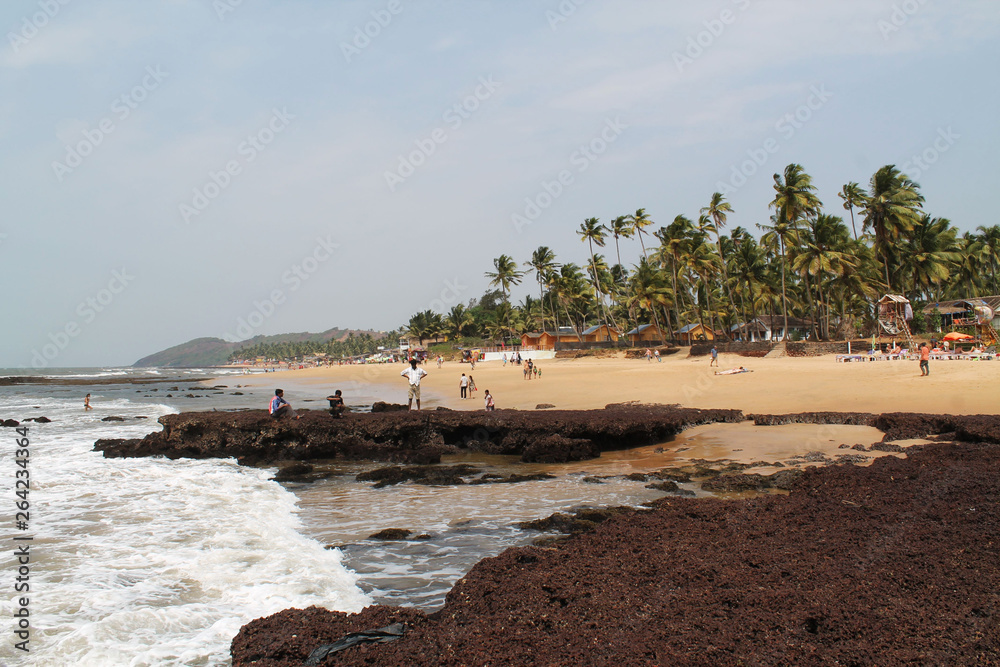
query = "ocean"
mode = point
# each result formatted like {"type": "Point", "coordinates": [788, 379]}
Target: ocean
{"type": "Point", "coordinates": [155, 562]}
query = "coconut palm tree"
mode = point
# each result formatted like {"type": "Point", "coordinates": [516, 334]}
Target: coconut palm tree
{"type": "Point", "coordinates": [639, 221]}
{"type": "Point", "coordinates": [505, 276]}
{"type": "Point", "coordinates": [823, 254]}
{"type": "Point", "coordinates": [776, 237]}
{"type": "Point", "coordinates": [573, 294]}
{"type": "Point", "coordinates": [717, 209]}
{"type": "Point", "coordinates": [990, 238]}
{"type": "Point", "coordinates": [892, 208]}
{"type": "Point", "coordinates": [854, 197]}
{"type": "Point", "coordinates": [592, 231]}
{"type": "Point", "coordinates": [543, 263]}
{"type": "Point", "coordinates": [458, 320]}
{"type": "Point", "coordinates": [620, 228]}
{"type": "Point", "coordinates": [794, 200]}
{"type": "Point", "coordinates": [648, 289]}
{"type": "Point", "coordinates": [930, 254]}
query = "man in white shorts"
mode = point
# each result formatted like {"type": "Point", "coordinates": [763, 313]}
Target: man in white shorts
{"type": "Point", "coordinates": [413, 374]}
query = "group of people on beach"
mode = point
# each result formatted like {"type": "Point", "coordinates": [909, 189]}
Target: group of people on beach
{"type": "Point", "coordinates": [466, 386]}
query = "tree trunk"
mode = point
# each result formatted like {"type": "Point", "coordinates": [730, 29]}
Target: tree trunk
{"type": "Point", "coordinates": [784, 297]}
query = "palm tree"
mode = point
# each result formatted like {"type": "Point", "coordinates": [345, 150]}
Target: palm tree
{"type": "Point", "coordinates": [990, 238]}
{"type": "Point", "coordinates": [505, 276]}
{"type": "Point", "coordinates": [620, 228]}
{"type": "Point", "coordinates": [647, 289]}
{"type": "Point", "coordinates": [853, 196]}
{"type": "Point", "coordinates": [592, 231]}
{"type": "Point", "coordinates": [892, 208]}
{"type": "Point", "coordinates": [717, 209]}
{"type": "Point", "coordinates": [675, 239]}
{"type": "Point", "coordinates": [573, 294]}
{"type": "Point", "coordinates": [824, 254]}
{"type": "Point", "coordinates": [749, 273]}
{"type": "Point", "coordinates": [458, 320]}
{"type": "Point", "coordinates": [776, 237]}
{"type": "Point", "coordinates": [930, 253]}
{"type": "Point", "coordinates": [426, 324]}
{"type": "Point", "coordinates": [794, 200]}
{"type": "Point", "coordinates": [639, 221]}
{"type": "Point", "coordinates": [543, 263]}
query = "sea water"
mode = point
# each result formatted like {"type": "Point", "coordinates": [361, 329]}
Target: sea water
{"type": "Point", "coordinates": [146, 561]}
{"type": "Point", "coordinates": [154, 562]}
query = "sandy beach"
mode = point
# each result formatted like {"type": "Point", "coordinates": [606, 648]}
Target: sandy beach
{"type": "Point", "coordinates": [776, 385]}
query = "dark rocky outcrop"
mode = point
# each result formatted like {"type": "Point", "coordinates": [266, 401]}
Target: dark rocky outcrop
{"type": "Point", "coordinates": [428, 475]}
{"type": "Point", "coordinates": [891, 564]}
{"type": "Point", "coordinates": [391, 535]}
{"type": "Point", "coordinates": [382, 406]}
{"type": "Point", "coordinates": [252, 437]}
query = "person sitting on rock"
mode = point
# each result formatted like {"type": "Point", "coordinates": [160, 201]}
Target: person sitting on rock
{"type": "Point", "coordinates": [337, 407]}
{"type": "Point", "coordinates": [280, 407]}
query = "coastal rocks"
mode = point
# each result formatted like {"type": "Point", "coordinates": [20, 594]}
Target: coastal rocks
{"type": "Point", "coordinates": [112, 418]}
{"type": "Point", "coordinates": [381, 406]}
{"type": "Point", "coordinates": [580, 521]}
{"type": "Point", "coordinates": [840, 571]}
{"type": "Point", "coordinates": [558, 449]}
{"type": "Point", "coordinates": [253, 438]}
{"type": "Point", "coordinates": [544, 406]}
{"type": "Point", "coordinates": [427, 475]}
{"type": "Point", "coordinates": [738, 482]}
{"type": "Point", "coordinates": [10, 423]}
{"type": "Point", "coordinates": [296, 472]}
{"type": "Point", "coordinates": [39, 420]}
{"type": "Point", "coordinates": [391, 535]}
{"type": "Point", "coordinates": [847, 418]}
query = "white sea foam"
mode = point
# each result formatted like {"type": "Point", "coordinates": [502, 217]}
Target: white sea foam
{"type": "Point", "coordinates": [150, 561]}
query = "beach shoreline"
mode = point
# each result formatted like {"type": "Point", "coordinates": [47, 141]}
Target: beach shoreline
{"type": "Point", "coordinates": [783, 384]}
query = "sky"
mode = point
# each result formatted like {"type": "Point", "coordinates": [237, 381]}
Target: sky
{"type": "Point", "coordinates": [173, 169]}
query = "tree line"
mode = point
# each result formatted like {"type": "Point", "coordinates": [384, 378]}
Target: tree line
{"type": "Point", "coordinates": [807, 264]}
{"type": "Point", "coordinates": [350, 346]}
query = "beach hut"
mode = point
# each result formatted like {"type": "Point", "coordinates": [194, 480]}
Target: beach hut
{"type": "Point", "coordinates": [539, 340]}
{"type": "Point", "coordinates": [768, 327]}
{"type": "Point", "coordinates": [601, 334]}
{"type": "Point", "coordinates": [692, 333]}
{"type": "Point", "coordinates": [646, 333]}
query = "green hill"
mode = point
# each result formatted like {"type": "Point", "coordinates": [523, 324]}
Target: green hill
{"type": "Point", "coordinates": [215, 351]}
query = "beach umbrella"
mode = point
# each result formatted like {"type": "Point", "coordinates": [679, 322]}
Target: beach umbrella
{"type": "Point", "coordinates": [954, 335]}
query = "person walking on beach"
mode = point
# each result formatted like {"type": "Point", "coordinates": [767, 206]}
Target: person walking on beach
{"type": "Point", "coordinates": [86, 403]}
{"type": "Point", "coordinates": [656, 353]}
{"type": "Point", "coordinates": [472, 386]}
{"type": "Point", "coordinates": [715, 357]}
{"type": "Point", "coordinates": [413, 375]}
{"type": "Point", "coordinates": [489, 401]}
{"type": "Point", "coordinates": [649, 355]}
{"type": "Point", "coordinates": [925, 360]}
{"type": "Point", "coordinates": [463, 386]}
{"type": "Point", "coordinates": [440, 360]}
{"type": "Point", "coordinates": [280, 407]}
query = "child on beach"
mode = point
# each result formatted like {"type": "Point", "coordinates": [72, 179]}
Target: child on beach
{"type": "Point", "coordinates": [715, 357]}
{"type": "Point", "coordinates": [488, 398]}
{"type": "Point", "coordinates": [86, 403]}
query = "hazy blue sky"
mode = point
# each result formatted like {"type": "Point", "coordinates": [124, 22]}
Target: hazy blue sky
{"type": "Point", "coordinates": [170, 167]}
